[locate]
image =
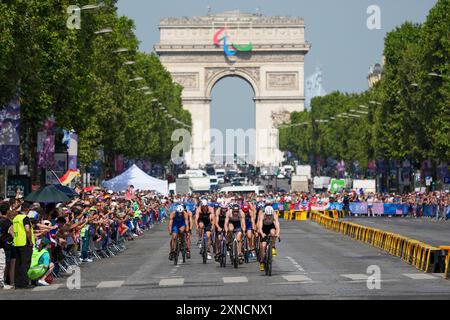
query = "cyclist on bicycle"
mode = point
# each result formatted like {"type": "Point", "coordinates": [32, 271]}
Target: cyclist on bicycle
{"type": "Point", "coordinates": [221, 214]}
{"type": "Point", "coordinates": [235, 223]}
{"type": "Point", "coordinates": [178, 224]}
{"type": "Point", "coordinates": [189, 233]}
{"type": "Point", "coordinates": [204, 222]}
{"type": "Point", "coordinates": [249, 226]}
{"type": "Point", "coordinates": [268, 225]}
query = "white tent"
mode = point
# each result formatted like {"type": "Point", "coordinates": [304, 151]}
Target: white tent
{"type": "Point", "coordinates": [139, 179]}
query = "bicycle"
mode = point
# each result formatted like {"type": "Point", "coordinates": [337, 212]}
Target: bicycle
{"type": "Point", "coordinates": [234, 255]}
{"type": "Point", "coordinates": [223, 251]}
{"type": "Point", "coordinates": [203, 249]}
{"type": "Point", "coordinates": [268, 257]}
{"type": "Point", "coordinates": [246, 249]}
{"type": "Point", "coordinates": [180, 246]}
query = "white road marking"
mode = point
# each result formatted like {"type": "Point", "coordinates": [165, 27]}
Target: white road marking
{"type": "Point", "coordinates": [48, 288]}
{"type": "Point", "coordinates": [110, 284]}
{"type": "Point", "coordinates": [171, 282]}
{"type": "Point", "coordinates": [419, 276]}
{"type": "Point", "coordinates": [356, 276]}
{"type": "Point", "coordinates": [297, 278]}
{"type": "Point", "coordinates": [235, 279]}
{"type": "Point", "coordinates": [296, 264]}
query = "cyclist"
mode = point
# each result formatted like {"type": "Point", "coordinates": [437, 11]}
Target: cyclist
{"type": "Point", "coordinates": [221, 214]}
{"type": "Point", "coordinates": [178, 224]}
{"type": "Point", "coordinates": [235, 223]}
{"type": "Point", "coordinates": [249, 226]}
{"type": "Point", "coordinates": [189, 233]}
{"type": "Point", "coordinates": [204, 222]}
{"type": "Point", "coordinates": [268, 225]}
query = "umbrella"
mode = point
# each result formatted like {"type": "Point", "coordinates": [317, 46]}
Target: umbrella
{"type": "Point", "coordinates": [48, 194]}
{"type": "Point", "coordinates": [66, 190]}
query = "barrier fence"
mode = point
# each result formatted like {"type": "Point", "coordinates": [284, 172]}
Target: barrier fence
{"type": "Point", "coordinates": [423, 256]}
{"type": "Point", "coordinates": [377, 208]}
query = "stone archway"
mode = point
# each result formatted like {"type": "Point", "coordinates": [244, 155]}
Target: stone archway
{"type": "Point", "coordinates": [274, 68]}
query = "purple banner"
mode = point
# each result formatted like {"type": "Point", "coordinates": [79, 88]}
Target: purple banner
{"type": "Point", "coordinates": [46, 145]}
{"type": "Point", "coordinates": [358, 207]}
{"type": "Point", "coordinates": [378, 208]}
{"type": "Point", "coordinates": [9, 133]}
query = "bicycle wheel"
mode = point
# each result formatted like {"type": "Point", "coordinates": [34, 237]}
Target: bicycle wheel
{"type": "Point", "coordinates": [183, 250]}
{"type": "Point", "coordinates": [246, 251]}
{"type": "Point", "coordinates": [268, 267]}
{"type": "Point", "coordinates": [213, 242]}
{"type": "Point", "coordinates": [177, 252]}
{"type": "Point", "coordinates": [204, 250]}
{"type": "Point", "coordinates": [257, 244]}
{"type": "Point", "coordinates": [235, 254]}
{"type": "Point", "coordinates": [224, 254]}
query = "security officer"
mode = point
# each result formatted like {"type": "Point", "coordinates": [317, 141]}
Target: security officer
{"type": "Point", "coordinates": [23, 246]}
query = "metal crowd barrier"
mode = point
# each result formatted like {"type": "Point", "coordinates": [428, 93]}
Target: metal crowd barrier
{"type": "Point", "coordinates": [423, 256]}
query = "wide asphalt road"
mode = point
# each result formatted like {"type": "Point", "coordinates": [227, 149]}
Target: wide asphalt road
{"type": "Point", "coordinates": [312, 263]}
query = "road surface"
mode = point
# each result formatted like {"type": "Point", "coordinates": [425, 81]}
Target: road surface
{"type": "Point", "coordinates": [312, 263]}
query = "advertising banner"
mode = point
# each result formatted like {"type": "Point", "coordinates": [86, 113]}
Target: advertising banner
{"type": "Point", "coordinates": [358, 207]}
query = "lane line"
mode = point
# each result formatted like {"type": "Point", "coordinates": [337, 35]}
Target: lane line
{"type": "Point", "coordinates": [296, 264]}
{"type": "Point", "coordinates": [235, 279]}
{"type": "Point", "coordinates": [110, 284]}
{"type": "Point", "coordinates": [420, 276]}
{"type": "Point", "coordinates": [297, 278]}
{"type": "Point", "coordinates": [47, 288]}
{"type": "Point", "coordinates": [356, 276]}
{"type": "Point", "coordinates": [171, 282]}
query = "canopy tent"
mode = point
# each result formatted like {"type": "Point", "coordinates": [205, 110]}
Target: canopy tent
{"type": "Point", "coordinates": [139, 179]}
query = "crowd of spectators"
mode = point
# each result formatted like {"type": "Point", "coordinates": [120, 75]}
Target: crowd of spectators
{"type": "Point", "coordinates": [35, 237]}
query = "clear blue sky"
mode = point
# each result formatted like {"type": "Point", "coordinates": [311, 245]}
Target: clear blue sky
{"type": "Point", "coordinates": [341, 42]}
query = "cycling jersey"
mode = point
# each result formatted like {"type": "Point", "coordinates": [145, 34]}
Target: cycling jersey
{"type": "Point", "coordinates": [221, 221]}
{"type": "Point", "coordinates": [235, 220]}
{"type": "Point", "coordinates": [178, 221]}
{"type": "Point", "coordinates": [268, 224]}
{"type": "Point", "coordinates": [204, 217]}
{"type": "Point", "coordinates": [248, 221]}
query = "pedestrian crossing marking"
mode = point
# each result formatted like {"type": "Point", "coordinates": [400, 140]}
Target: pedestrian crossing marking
{"type": "Point", "coordinates": [235, 279]}
{"type": "Point", "coordinates": [110, 284]}
{"type": "Point", "coordinates": [419, 276]}
{"type": "Point", "coordinates": [296, 278]}
{"type": "Point", "coordinates": [171, 282]}
{"type": "Point", "coordinates": [48, 288]}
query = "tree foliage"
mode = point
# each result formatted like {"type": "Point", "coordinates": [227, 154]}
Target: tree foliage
{"type": "Point", "coordinates": [411, 116]}
{"type": "Point", "coordinates": [79, 77]}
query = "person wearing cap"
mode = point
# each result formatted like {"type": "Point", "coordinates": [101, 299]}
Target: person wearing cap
{"type": "Point", "coordinates": [41, 267]}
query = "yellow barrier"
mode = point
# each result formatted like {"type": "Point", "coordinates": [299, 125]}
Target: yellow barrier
{"type": "Point", "coordinates": [447, 260]}
{"type": "Point", "coordinates": [421, 255]}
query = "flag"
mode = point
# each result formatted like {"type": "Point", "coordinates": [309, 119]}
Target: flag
{"type": "Point", "coordinates": [67, 178]}
{"type": "Point", "coordinates": [9, 133]}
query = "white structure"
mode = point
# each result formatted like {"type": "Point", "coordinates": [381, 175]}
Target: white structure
{"type": "Point", "coordinates": [274, 67]}
{"type": "Point", "coordinates": [139, 179]}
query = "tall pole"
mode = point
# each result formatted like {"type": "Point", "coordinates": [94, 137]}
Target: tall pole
{"type": "Point", "coordinates": [6, 182]}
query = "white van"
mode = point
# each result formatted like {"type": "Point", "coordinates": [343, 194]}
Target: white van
{"type": "Point", "coordinates": [243, 189]}
{"type": "Point", "coordinates": [220, 173]}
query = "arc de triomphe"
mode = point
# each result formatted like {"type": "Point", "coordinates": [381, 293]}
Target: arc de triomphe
{"type": "Point", "coordinates": [273, 64]}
